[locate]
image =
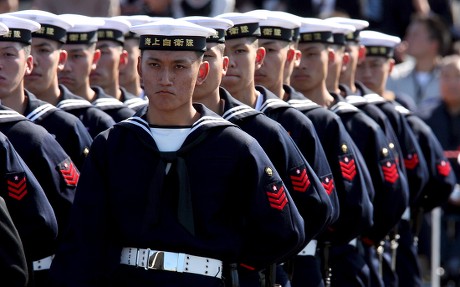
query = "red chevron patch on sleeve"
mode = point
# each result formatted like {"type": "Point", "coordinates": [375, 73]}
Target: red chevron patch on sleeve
{"type": "Point", "coordinates": [300, 181]}
{"type": "Point", "coordinates": [69, 172]}
{"type": "Point", "coordinates": [348, 167]}
{"type": "Point", "coordinates": [411, 161]}
{"type": "Point", "coordinates": [17, 185]}
{"type": "Point", "coordinates": [277, 196]}
{"type": "Point", "coordinates": [444, 168]}
{"type": "Point", "coordinates": [390, 172]}
{"type": "Point", "coordinates": [328, 184]}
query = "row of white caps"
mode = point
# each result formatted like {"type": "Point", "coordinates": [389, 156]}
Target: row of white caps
{"type": "Point", "coordinates": [193, 26]}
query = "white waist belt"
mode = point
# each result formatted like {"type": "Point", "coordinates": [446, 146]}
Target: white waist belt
{"type": "Point", "coordinates": [171, 261]}
{"type": "Point", "coordinates": [310, 249]}
{"type": "Point", "coordinates": [43, 264]}
{"type": "Point", "coordinates": [406, 214]}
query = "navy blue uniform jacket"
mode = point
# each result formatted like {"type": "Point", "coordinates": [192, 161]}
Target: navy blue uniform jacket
{"type": "Point", "coordinates": [347, 166]}
{"type": "Point", "coordinates": [95, 120]}
{"type": "Point", "coordinates": [124, 199]}
{"type": "Point", "coordinates": [306, 189]}
{"type": "Point", "coordinates": [69, 131]}
{"type": "Point", "coordinates": [302, 131]}
{"type": "Point", "coordinates": [116, 109]}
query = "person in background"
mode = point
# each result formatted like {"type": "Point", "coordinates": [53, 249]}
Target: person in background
{"type": "Point", "coordinates": [308, 93]}
{"type": "Point", "coordinates": [129, 77]}
{"type": "Point", "coordinates": [28, 223]}
{"type": "Point", "coordinates": [42, 86]}
{"type": "Point", "coordinates": [56, 173]}
{"type": "Point", "coordinates": [405, 269]}
{"type": "Point", "coordinates": [114, 58]}
{"type": "Point", "coordinates": [427, 41]}
{"type": "Point", "coordinates": [200, 190]}
{"type": "Point", "coordinates": [49, 59]}
{"type": "Point", "coordinates": [443, 116]}
{"type": "Point", "coordinates": [305, 187]}
{"type": "Point", "coordinates": [12, 257]}
{"type": "Point", "coordinates": [82, 60]}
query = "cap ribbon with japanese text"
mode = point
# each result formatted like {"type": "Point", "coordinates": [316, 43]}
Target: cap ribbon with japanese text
{"type": "Point", "coordinates": [20, 30]}
{"type": "Point", "coordinates": [378, 44]}
{"type": "Point", "coordinates": [53, 27]}
{"type": "Point", "coordinates": [244, 24]}
{"type": "Point", "coordinates": [173, 34]}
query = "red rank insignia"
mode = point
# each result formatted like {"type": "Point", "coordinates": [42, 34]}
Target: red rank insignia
{"type": "Point", "coordinates": [300, 181]}
{"type": "Point", "coordinates": [443, 168]}
{"type": "Point", "coordinates": [328, 185]}
{"type": "Point", "coordinates": [17, 185]}
{"type": "Point", "coordinates": [390, 172]}
{"type": "Point", "coordinates": [277, 196]}
{"type": "Point", "coordinates": [411, 161]}
{"type": "Point", "coordinates": [348, 167]}
{"type": "Point", "coordinates": [69, 172]}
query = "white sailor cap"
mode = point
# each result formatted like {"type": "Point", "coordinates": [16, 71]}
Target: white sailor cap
{"type": "Point", "coordinates": [316, 30]}
{"type": "Point", "coordinates": [172, 34]}
{"type": "Point", "coordinates": [378, 44]}
{"type": "Point", "coordinates": [84, 30]}
{"type": "Point", "coordinates": [278, 25]}
{"type": "Point", "coordinates": [358, 24]}
{"type": "Point", "coordinates": [340, 32]}
{"type": "Point", "coordinates": [19, 29]}
{"type": "Point", "coordinates": [219, 24]}
{"type": "Point", "coordinates": [3, 29]}
{"type": "Point", "coordinates": [113, 29]}
{"type": "Point", "coordinates": [53, 27]}
{"type": "Point", "coordinates": [138, 20]}
{"type": "Point", "coordinates": [244, 24]}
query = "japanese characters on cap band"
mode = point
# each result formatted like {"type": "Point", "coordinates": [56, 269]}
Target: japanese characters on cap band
{"type": "Point", "coordinates": [172, 34]}
{"type": "Point", "coordinates": [20, 30]}
{"type": "Point", "coordinates": [219, 37]}
{"type": "Point", "coordinates": [185, 43]}
{"type": "Point", "coordinates": [53, 27]}
{"type": "Point", "coordinates": [110, 34]}
{"type": "Point", "coordinates": [320, 37]}
{"type": "Point", "coordinates": [243, 30]}
{"type": "Point", "coordinates": [381, 51]}
{"type": "Point", "coordinates": [18, 35]}
{"type": "Point", "coordinates": [357, 23]}
{"type": "Point", "coordinates": [276, 33]}
{"type": "Point", "coordinates": [51, 32]}
{"type": "Point", "coordinates": [379, 44]}
{"type": "Point", "coordinates": [88, 37]}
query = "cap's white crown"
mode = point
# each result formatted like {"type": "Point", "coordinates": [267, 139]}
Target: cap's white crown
{"type": "Point", "coordinates": [338, 28]}
{"type": "Point", "coordinates": [278, 19]}
{"type": "Point", "coordinates": [44, 17]}
{"type": "Point", "coordinates": [3, 29]}
{"type": "Point", "coordinates": [374, 38]}
{"type": "Point", "coordinates": [13, 22]}
{"type": "Point", "coordinates": [358, 24]}
{"type": "Point", "coordinates": [173, 27]}
{"type": "Point", "coordinates": [135, 19]}
{"type": "Point", "coordinates": [242, 18]}
{"type": "Point", "coordinates": [311, 25]}
{"type": "Point", "coordinates": [83, 23]}
{"type": "Point", "coordinates": [210, 22]}
{"type": "Point", "coordinates": [113, 23]}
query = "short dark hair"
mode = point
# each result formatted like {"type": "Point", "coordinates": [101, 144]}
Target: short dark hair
{"type": "Point", "coordinates": [437, 31]}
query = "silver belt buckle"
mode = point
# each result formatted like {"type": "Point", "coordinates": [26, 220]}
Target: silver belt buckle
{"type": "Point", "coordinates": [155, 260]}
{"type": "Point", "coordinates": [160, 260]}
